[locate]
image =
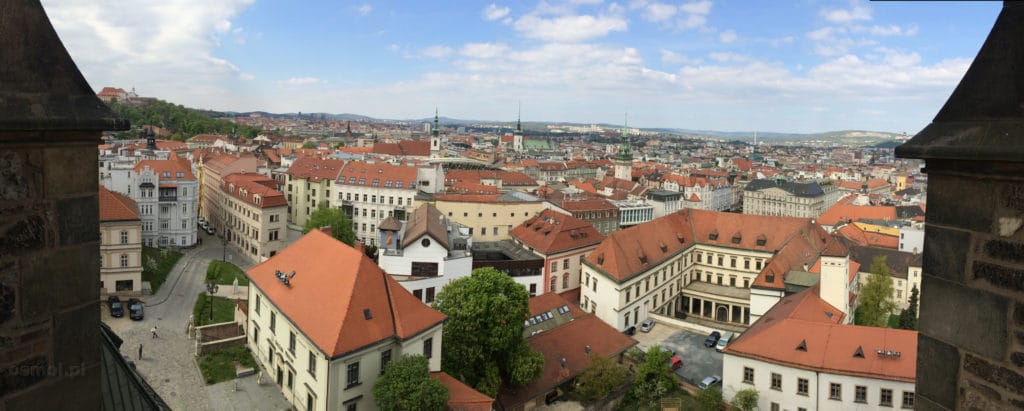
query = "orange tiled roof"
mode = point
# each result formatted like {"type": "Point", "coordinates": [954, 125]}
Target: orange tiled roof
{"type": "Point", "coordinates": [116, 206]}
{"type": "Point", "coordinates": [339, 298]}
{"type": "Point", "coordinates": [460, 396]}
{"type": "Point", "coordinates": [361, 173]}
{"type": "Point", "coordinates": [403, 148]}
{"type": "Point", "coordinates": [841, 213]}
{"type": "Point", "coordinates": [552, 232]}
{"type": "Point", "coordinates": [168, 169]}
{"type": "Point", "coordinates": [508, 178]}
{"type": "Point", "coordinates": [830, 346]}
{"type": "Point", "coordinates": [246, 186]}
{"type": "Point", "coordinates": [315, 169]}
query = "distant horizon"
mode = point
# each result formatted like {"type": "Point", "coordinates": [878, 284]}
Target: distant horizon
{"type": "Point", "coordinates": [693, 65]}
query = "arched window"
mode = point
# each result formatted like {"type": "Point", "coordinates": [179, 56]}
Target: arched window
{"type": "Point", "coordinates": [565, 281]}
{"type": "Point", "coordinates": [554, 282]}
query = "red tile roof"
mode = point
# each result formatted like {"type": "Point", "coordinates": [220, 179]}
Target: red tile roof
{"type": "Point", "coordinates": [334, 290]}
{"type": "Point", "coordinates": [361, 173]}
{"type": "Point", "coordinates": [829, 345]}
{"type": "Point", "coordinates": [841, 213]}
{"type": "Point", "coordinates": [207, 138]}
{"type": "Point", "coordinates": [552, 232]}
{"type": "Point", "coordinates": [403, 148]}
{"type": "Point", "coordinates": [508, 178]}
{"type": "Point", "coordinates": [115, 206]}
{"type": "Point", "coordinates": [168, 169]}
{"type": "Point", "coordinates": [460, 396]}
{"type": "Point", "coordinates": [247, 186]}
{"type": "Point", "coordinates": [315, 169]}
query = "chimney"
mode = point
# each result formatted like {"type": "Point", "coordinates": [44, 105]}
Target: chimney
{"type": "Point", "coordinates": [327, 230]}
{"type": "Point", "coordinates": [974, 153]}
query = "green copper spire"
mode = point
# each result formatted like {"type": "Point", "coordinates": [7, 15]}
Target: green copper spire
{"type": "Point", "coordinates": [519, 121]}
{"type": "Point", "coordinates": [436, 130]}
{"type": "Point", "coordinates": [625, 152]}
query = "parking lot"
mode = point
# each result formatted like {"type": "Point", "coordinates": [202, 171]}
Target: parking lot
{"type": "Point", "coordinates": [698, 361]}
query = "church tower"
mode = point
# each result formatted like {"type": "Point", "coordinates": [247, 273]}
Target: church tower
{"type": "Point", "coordinates": [517, 136]}
{"type": "Point", "coordinates": [435, 138]}
{"type": "Point", "coordinates": [624, 157]}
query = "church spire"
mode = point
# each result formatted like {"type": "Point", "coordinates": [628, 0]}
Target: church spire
{"type": "Point", "coordinates": [436, 130]}
{"type": "Point", "coordinates": [519, 120]}
{"type": "Point", "coordinates": [625, 152]}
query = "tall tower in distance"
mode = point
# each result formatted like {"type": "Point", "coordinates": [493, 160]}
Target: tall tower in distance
{"type": "Point", "coordinates": [517, 136]}
{"type": "Point", "coordinates": [624, 156]}
{"type": "Point", "coordinates": [435, 138]}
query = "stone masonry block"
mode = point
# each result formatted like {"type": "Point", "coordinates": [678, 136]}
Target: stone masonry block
{"type": "Point", "coordinates": [1005, 250]}
{"type": "Point", "coordinates": [1007, 278]}
{"type": "Point", "coordinates": [958, 315]}
{"type": "Point", "coordinates": [78, 219]}
{"type": "Point", "coordinates": [1018, 314]}
{"type": "Point", "coordinates": [82, 386]}
{"type": "Point", "coordinates": [20, 174]}
{"type": "Point", "coordinates": [941, 363]}
{"type": "Point", "coordinates": [994, 374]}
{"type": "Point", "coordinates": [23, 374]}
{"type": "Point", "coordinates": [75, 269]}
{"type": "Point", "coordinates": [960, 202]}
{"type": "Point", "coordinates": [21, 235]}
{"type": "Point", "coordinates": [945, 252]}
{"type": "Point", "coordinates": [925, 404]}
{"type": "Point", "coordinates": [65, 166]}
{"type": "Point", "coordinates": [76, 336]}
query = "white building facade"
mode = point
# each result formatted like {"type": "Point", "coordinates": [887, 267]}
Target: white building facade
{"type": "Point", "coordinates": [167, 194]}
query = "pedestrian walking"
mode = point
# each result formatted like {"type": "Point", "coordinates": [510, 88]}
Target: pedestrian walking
{"type": "Point", "coordinates": [140, 352]}
{"type": "Point", "coordinates": [153, 330]}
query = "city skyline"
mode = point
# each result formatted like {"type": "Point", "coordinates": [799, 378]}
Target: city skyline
{"type": "Point", "coordinates": [806, 66]}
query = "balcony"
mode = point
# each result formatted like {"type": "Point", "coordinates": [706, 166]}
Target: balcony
{"type": "Point", "coordinates": [168, 197]}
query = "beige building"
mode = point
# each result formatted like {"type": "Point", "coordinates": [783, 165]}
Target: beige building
{"type": "Point", "coordinates": [563, 241]}
{"type": "Point", "coordinates": [788, 199]}
{"type": "Point", "coordinates": [308, 184]}
{"type": "Point", "coordinates": [490, 217]}
{"type": "Point", "coordinates": [370, 191]}
{"type": "Point", "coordinates": [324, 320]}
{"type": "Point", "coordinates": [256, 215]}
{"type": "Point", "coordinates": [210, 193]}
{"type": "Point", "coordinates": [120, 245]}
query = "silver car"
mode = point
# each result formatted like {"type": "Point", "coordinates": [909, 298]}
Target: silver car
{"type": "Point", "coordinates": [647, 325]}
{"type": "Point", "coordinates": [709, 381]}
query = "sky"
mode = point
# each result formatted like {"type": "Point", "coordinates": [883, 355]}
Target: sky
{"type": "Point", "coordinates": [784, 66]}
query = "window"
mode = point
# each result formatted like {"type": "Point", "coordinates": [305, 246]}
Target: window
{"type": "Point", "coordinates": [565, 281]}
{"type": "Point", "coordinates": [124, 237]}
{"type": "Point", "coordinates": [291, 386]}
{"type": "Point", "coordinates": [721, 260]}
{"type": "Point", "coordinates": [587, 279]}
{"type": "Point", "coordinates": [291, 342]}
{"type": "Point", "coordinates": [350, 406]}
{"type": "Point", "coordinates": [835, 392]}
{"type": "Point", "coordinates": [430, 295]}
{"type": "Point", "coordinates": [860, 394]}
{"type": "Point", "coordinates": [309, 402]}
{"type": "Point", "coordinates": [311, 367]}
{"type": "Point", "coordinates": [595, 285]}
{"type": "Point", "coordinates": [495, 230]}
{"type": "Point", "coordinates": [385, 358]}
{"type": "Point", "coordinates": [273, 321]}
{"type": "Point", "coordinates": [776, 381]}
{"type": "Point", "coordinates": [352, 377]}
{"type": "Point", "coordinates": [886, 397]}
{"type": "Point", "coordinates": [554, 282]}
{"type": "Point", "coordinates": [554, 266]}
{"type": "Point", "coordinates": [533, 289]}
{"type": "Point", "coordinates": [428, 348]}
{"type": "Point", "coordinates": [255, 333]}
{"type": "Point", "coordinates": [748, 375]}
{"type": "Point", "coordinates": [124, 260]}
{"type": "Point", "coordinates": [908, 399]}
{"type": "Point", "coordinates": [775, 406]}
{"type": "Point", "coordinates": [565, 264]}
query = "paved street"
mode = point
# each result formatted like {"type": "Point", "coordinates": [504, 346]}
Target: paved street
{"type": "Point", "coordinates": [168, 362]}
{"type": "Point", "coordinates": [698, 361]}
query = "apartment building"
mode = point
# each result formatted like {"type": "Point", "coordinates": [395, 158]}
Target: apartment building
{"type": "Point", "coordinates": [490, 217]}
{"type": "Point", "coordinates": [211, 180]}
{"type": "Point", "coordinates": [324, 321]}
{"type": "Point", "coordinates": [426, 252]}
{"type": "Point", "coordinates": [705, 193]}
{"type": "Point", "coordinates": [788, 198]}
{"type": "Point", "coordinates": [255, 213]}
{"type": "Point", "coordinates": [308, 184]}
{"type": "Point", "coordinates": [371, 191]}
{"type": "Point", "coordinates": [120, 245]}
{"type": "Point", "coordinates": [167, 197]}
{"type": "Point", "coordinates": [563, 241]}
{"type": "Point", "coordinates": [904, 270]}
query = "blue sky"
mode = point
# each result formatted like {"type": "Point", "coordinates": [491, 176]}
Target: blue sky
{"type": "Point", "coordinates": [795, 66]}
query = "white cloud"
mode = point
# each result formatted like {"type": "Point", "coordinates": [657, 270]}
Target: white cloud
{"type": "Point", "coordinates": [697, 7]}
{"type": "Point", "coordinates": [364, 9]}
{"type": "Point", "coordinates": [658, 12]}
{"type": "Point", "coordinates": [493, 12]}
{"type": "Point", "coordinates": [694, 15]}
{"type": "Point", "coordinates": [437, 51]}
{"type": "Point", "coordinates": [301, 81]}
{"type": "Point", "coordinates": [883, 31]}
{"type": "Point", "coordinates": [856, 12]}
{"type": "Point", "coordinates": [483, 50]}
{"type": "Point", "coordinates": [671, 57]}
{"type": "Point", "coordinates": [728, 36]}
{"type": "Point", "coordinates": [569, 28]}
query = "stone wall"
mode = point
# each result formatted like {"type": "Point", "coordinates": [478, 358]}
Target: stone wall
{"type": "Point", "coordinates": [49, 270]}
{"type": "Point", "coordinates": [207, 347]}
{"type": "Point", "coordinates": [971, 346]}
{"type": "Point", "coordinates": [218, 331]}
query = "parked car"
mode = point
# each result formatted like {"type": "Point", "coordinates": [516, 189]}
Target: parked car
{"type": "Point", "coordinates": [647, 325]}
{"type": "Point", "coordinates": [724, 341]}
{"type": "Point", "coordinates": [211, 230]}
{"type": "Point", "coordinates": [675, 363]}
{"type": "Point", "coordinates": [712, 339]}
{"type": "Point", "coordinates": [709, 381]}
{"type": "Point", "coordinates": [135, 309]}
{"type": "Point", "coordinates": [669, 350]}
{"type": "Point", "coordinates": [116, 308]}
{"type": "Point", "coordinates": [630, 331]}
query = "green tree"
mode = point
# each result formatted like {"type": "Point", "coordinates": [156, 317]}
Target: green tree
{"type": "Point", "coordinates": [745, 400]}
{"type": "Point", "coordinates": [908, 317]}
{"type": "Point", "coordinates": [600, 378]}
{"type": "Point", "coordinates": [309, 145]}
{"type": "Point", "coordinates": [341, 226]}
{"type": "Point", "coordinates": [483, 337]}
{"type": "Point", "coordinates": [406, 385]}
{"type": "Point", "coordinates": [653, 377]}
{"type": "Point", "coordinates": [710, 399]}
{"type": "Point", "coordinates": [875, 302]}
{"type": "Point", "coordinates": [182, 122]}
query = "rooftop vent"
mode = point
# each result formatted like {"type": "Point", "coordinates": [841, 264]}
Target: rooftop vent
{"type": "Point", "coordinates": [736, 238]}
{"type": "Point", "coordinates": [679, 236]}
{"type": "Point", "coordinates": [761, 240]}
{"type": "Point", "coordinates": [802, 346]}
{"type": "Point", "coordinates": [600, 258]}
{"type": "Point", "coordinates": [888, 354]}
{"type": "Point", "coordinates": [713, 235]}
{"type": "Point", "coordinates": [662, 246]}
{"type": "Point", "coordinates": [770, 278]}
{"type": "Point", "coordinates": [859, 353]}
{"type": "Point", "coordinates": [642, 256]}
{"type": "Point", "coordinates": [285, 279]}
{"type": "Point", "coordinates": [367, 314]}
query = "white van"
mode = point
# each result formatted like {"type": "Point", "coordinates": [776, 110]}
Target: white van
{"type": "Point", "coordinates": [722, 342]}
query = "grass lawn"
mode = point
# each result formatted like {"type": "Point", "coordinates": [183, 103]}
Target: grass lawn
{"type": "Point", "coordinates": [219, 365]}
{"type": "Point", "coordinates": [157, 264]}
{"type": "Point", "coordinates": [225, 273]}
{"type": "Point", "coordinates": [223, 310]}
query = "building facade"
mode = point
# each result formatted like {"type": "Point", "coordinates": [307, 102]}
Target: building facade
{"type": "Point", "coordinates": [371, 191]}
{"type": "Point", "coordinates": [308, 184]}
{"type": "Point", "coordinates": [425, 253]}
{"type": "Point", "coordinates": [490, 217]}
{"type": "Point", "coordinates": [167, 196]}
{"type": "Point", "coordinates": [120, 245]}
{"type": "Point", "coordinates": [788, 199]}
{"type": "Point", "coordinates": [211, 179]}
{"type": "Point", "coordinates": [255, 213]}
{"type": "Point", "coordinates": [563, 241]}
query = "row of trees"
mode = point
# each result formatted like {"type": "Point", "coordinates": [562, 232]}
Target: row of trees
{"type": "Point", "coordinates": [182, 121]}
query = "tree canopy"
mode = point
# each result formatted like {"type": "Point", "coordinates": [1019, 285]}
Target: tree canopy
{"type": "Point", "coordinates": [745, 400]}
{"type": "Point", "coordinates": [341, 226]}
{"type": "Point", "coordinates": [182, 121]}
{"type": "Point", "coordinates": [710, 399]}
{"type": "Point", "coordinates": [908, 317]}
{"type": "Point", "coordinates": [875, 303]}
{"type": "Point", "coordinates": [653, 377]}
{"type": "Point", "coordinates": [601, 377]}
{"type": "Point", "coordinates": [406, 385]}
{"type": "Point", "coordinates": [483, 337]}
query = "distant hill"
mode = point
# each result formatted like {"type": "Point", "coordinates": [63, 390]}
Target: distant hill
{"type": "Point", "coordinates": [182, 121]}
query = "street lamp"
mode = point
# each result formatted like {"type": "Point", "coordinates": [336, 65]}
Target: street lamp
{"type": "Point", "coordinates": [211, 289]}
